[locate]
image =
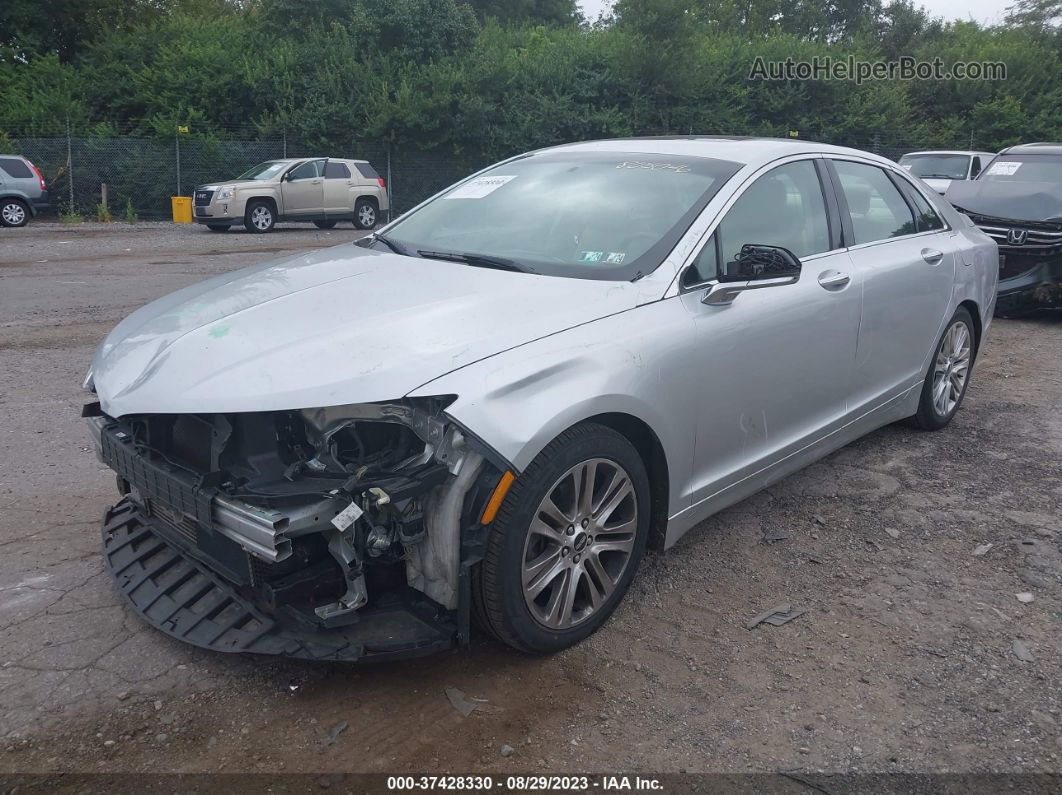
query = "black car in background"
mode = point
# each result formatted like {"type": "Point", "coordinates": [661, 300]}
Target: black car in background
{"type": "Point", "coordinates": [1017, 201]}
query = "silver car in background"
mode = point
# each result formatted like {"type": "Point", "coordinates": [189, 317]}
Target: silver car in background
{"type": "Point", "coordinates": [487, 409]}
{"type": "Point", "coordinates": [939, 168]}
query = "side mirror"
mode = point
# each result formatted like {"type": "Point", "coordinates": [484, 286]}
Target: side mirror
{"type": "Point", "coordinates": [755, 267]}
{"type": "Point", "coordinates": [756, 262]}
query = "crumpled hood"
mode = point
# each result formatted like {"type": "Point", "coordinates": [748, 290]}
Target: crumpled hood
{"type": "Point", "coordinates": [336, 326]}
{"type": "Point", "coordinates": [1018, 201]}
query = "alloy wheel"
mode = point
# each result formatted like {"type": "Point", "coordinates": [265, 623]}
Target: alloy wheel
{"type": "Point", "coordinates": [261, 217]}
{"type": "Point", "coordinates": [14, 214]}
{"type": "Point", "coordinates": [367, 216]}
{"type": "Point", "coordinates": [951, 368]}
{"type": "Point", "coordinates": [579, 543]}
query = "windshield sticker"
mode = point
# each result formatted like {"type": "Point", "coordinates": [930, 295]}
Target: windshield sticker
{"type": "Point", "coordinates": [1004, 167]}
{"type": "Point", "coordinates": [479, 187]}
{"type": "Point", "coordinates": [616, 257]}
{"type": "Point", "coordinates": [591, 256]}
{"type": "Point", "coordinates": [675, 168]}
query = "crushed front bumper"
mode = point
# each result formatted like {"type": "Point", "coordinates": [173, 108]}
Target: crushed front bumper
{"type": "Point", "coordinates": [167, 585]}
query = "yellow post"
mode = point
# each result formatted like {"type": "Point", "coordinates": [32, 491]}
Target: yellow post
{"type": "Point", "coordinates": [182, 209]}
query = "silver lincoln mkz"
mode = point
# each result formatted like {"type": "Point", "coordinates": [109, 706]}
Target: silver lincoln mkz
{"type": "Point", "coordinates": [485, 410]}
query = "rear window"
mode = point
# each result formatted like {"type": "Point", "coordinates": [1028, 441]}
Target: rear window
{"type": "Point", "coordinates": [15, 168]}
{"type": "Point", "coordinates": [366, 171]}
{"type": "Point", "coordinates": [334, 170]}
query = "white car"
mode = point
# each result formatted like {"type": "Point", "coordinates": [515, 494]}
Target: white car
{"type": "Point", "coordinates": [938, 169]}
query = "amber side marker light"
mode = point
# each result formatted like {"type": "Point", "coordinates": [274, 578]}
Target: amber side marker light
{"type": "Point", "coordinates": [495, 501]}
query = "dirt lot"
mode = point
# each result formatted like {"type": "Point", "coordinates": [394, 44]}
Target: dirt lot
{"type": "Point", "coordinates": [908, 658]}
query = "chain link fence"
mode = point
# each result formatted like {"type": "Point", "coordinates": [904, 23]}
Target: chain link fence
{"type": "Point", "coordinates": [142, 173]}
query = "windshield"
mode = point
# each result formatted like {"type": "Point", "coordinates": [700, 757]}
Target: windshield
{"type": "Point", "coordinates": [930, 166]}
{"type": "Point", "coordinates": [266, 170]}
{"type": "Point", "coordinates": [1024, 168]}
{"type": "Point", "coordinates": [590, 215]}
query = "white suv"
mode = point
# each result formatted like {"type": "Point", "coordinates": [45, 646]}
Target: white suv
{"type": "Point", "coordinates": [320, 190]}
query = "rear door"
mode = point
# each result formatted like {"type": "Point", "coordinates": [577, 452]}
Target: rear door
{"type": "Point", "coordinates": [904, 255]}
{"type": "Point", "coordinates": [339, 188]}
{"type": "Point", "coordinates": [302, 189]}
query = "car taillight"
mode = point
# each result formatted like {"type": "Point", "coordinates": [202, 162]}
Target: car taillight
{"type": "Point", "coordinates": [381, 182]}
{"type": "Point", "coordinates": [40, 176]}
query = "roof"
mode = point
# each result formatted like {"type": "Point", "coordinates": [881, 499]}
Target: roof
{"type": "Point", "coordinates": [750, 151]}
{"type": "Point", "coordinates": [948, 152]}
{"type": "Point", "coordinates": [1034, 149]}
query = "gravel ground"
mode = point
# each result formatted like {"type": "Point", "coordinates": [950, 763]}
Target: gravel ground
{"type": "Point", "coordinates": [915, 653]}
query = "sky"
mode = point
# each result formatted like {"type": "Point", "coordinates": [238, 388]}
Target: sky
{"type": "Point", "coordinates": [980, 10]}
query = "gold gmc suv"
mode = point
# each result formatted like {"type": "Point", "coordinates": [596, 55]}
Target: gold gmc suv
{"type": "Point", "coordinates": [321, 190]}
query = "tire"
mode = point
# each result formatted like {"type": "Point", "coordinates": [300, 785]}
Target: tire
{"type": "Point", "coordinates": [324, 224]}
{"type": "Point", "coordinates": [577, 553]}
{"type": "Point", "coordinates": [218, 227]}
{"type": "Point", "coordinates": [260, 217]}
{"type": "Point", "coordinates": [14, 213]}
{"type": "Point", "coordinates": [953, 356]}
{"type": "Point", "coordinates": [366, 215]}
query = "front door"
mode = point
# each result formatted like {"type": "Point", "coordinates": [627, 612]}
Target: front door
{"type": "Point", "coordinates": [302, 190]}
{"type": "Point", "coordinates": [775, 365]}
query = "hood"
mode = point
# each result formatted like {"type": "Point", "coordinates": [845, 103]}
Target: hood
{"type": "Point", "coordinates": [1018, 201]}
{"type": "Point", "coordinates": [937, 184]}
{"type": "Point", "coordinates": [336, 326]}
{"type": "Point", "coordinates": [236, 183]}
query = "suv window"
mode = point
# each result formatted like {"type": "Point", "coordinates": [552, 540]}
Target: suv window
{"type": "Point", "coordinates": [336, 170]}
{"type": "Point", "coordinates": [306, 171]}
{"type": "Point", "coordinates": [366, 171]}
{"type": "Point", "coordinates": [976, 168]}
{"type": "Point", "coordinates": [926, 217]}
{"type": "Point", "coordinates": [15, 168]}
{"type": "Point", "coordinates": [877, 209]}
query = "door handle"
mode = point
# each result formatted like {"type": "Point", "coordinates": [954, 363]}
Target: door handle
{"type": "Point", "coordinates": [315, 182]}
{"type": "Point", "coordinates": [932, 256]}
{"type": "Point", "coordinates": [832, 280]}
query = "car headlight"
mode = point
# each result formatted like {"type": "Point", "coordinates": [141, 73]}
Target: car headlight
{"type": "Point", "coordinates": [226, 193]}
{"type": "Point", "coordinates": [88, 385]}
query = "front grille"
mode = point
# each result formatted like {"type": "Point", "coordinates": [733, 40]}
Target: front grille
{"type": "Point", "coordinates": [203, 197]}
{"type": "Point", "coordinates": [1039, 237]}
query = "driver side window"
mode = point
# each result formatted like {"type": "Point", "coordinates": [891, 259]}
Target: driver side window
{"type": "Point", "coordinates": [305, 171]}
{"type": "Point", "coordinates": [784, 207]}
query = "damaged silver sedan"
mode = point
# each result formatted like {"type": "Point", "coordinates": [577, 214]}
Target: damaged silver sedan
{"type": "Point", "coordinates": [485, 411]}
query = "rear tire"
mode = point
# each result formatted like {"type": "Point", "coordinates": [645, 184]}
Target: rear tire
{"type": "Point", "coordinates": [14, 213]}
{"type": "Point", "coordinates": [260, 217]}
{"type": "Point", "coordinates": [324, 224]}
{"type": "Point", "coordinates": [550, 578]}
{"type": "Point", "coordinates": [366, 215]}
{"type": "Point", "coordinates": [218, 227]}
{"type": "Point", "coordinates": [949, 374]}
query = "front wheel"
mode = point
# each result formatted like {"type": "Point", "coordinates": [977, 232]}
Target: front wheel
{"type": "Point", "coordinates": [260, 217]}
{"type": "Point", "coordinates": [566, 542]}
{"type": "Point", "coordinates": [13, 213]}
{"type": "Point", "coordinates": [949, 374]}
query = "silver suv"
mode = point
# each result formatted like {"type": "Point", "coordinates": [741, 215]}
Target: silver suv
{"type": "Point", "coordinates": [321, 190]}
{"type": "Point", "coordinates": [23, 192]}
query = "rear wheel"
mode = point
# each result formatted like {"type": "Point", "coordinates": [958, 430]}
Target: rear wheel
{"type": "Point", "coordinates": [13, 213]}
{"type": "Point", "coordinates": [218, 227]}
{"type": "Point", "coordinates": [949, 374]}
{"type": "Point", "coordinates": [365, 214]}
{"type": "Point", "coordinates": [260, 216]}
{"type": "Point", "coordinates": [566, 542]}
{"type": "Point", "coordinates": [324, 224]}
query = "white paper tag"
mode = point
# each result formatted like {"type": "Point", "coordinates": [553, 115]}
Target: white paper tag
{"type": "Point", "coordinates": [479, 187]}
{"type": "Point", "coordinates": [1004, 167]}
{"type": "Point", "coordinates": [347, 516]}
